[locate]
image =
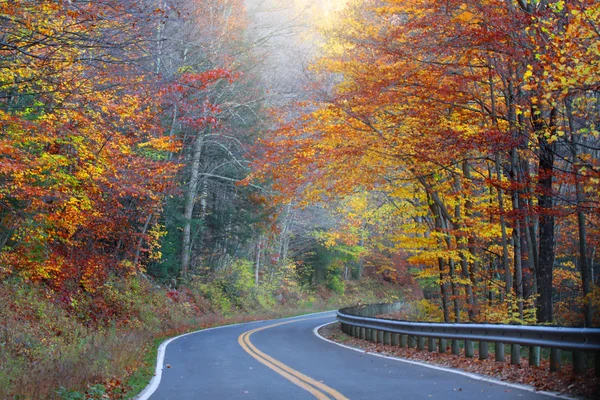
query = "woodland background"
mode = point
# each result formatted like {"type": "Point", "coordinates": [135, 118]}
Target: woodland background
{"type": "Point", "coordinates": [170, 164]}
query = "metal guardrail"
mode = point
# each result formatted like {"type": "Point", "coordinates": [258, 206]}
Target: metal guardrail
{"type": "Point", "coordinates": [361, 321]}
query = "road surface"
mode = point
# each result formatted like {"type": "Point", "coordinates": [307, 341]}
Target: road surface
{"type": "Point", "coordinates": [284, 359]}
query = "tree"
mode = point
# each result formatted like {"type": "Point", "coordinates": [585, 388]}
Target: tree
{"type": "Point", "coordinates": [459, 127]}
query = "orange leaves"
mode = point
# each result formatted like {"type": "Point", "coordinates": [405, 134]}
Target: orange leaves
{"type": "Point", "coordinates": [82, 154]}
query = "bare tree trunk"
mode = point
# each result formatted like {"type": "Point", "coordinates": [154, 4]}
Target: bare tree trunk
{"type": "Point", "coordinates": [189, 204]}
{"type": "Point", "coordinates": [284, 235]}
{"type": "Point", "coordinates": [259, 248]}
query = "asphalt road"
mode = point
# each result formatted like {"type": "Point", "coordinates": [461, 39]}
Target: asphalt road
{"type": "Point", "coordinates": [283, 359]}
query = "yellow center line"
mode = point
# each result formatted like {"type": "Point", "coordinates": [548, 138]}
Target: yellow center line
{"type": "Point", "coordinates": [305, 382]}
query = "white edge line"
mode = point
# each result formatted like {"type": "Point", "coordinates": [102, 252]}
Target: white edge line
{"type": "Point", "coordinates": [160, 358]}
{"type": "Point", "coordinates": [439, 368]}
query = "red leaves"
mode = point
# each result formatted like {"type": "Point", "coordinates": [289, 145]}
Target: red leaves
{"type": "Point", "coordinates": [81, 148]}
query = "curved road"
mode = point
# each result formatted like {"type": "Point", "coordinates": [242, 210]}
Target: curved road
{"type": "Point", "coordinates": [284, 359]}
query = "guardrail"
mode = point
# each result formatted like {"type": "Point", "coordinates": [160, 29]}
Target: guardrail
{"type": "Point", "coordinates": [361, 322]}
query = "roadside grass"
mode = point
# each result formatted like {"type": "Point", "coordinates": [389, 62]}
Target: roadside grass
{"type": "Point", "coordinates": [104, 345]}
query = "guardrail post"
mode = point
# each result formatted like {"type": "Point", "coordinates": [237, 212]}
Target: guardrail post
{"type": "Point", "coordinates": [515, 354]}
{"type": "Point", "coordinates": [395, 339]}
{"type": "Point", "coordinates": [579, 362]}
{"type": "Point", "coordinates": [362, 333]}
{"type": "Point", "coordinates": [368, 333]}
{"type": "Point", "coordinates": [597, 361]}
{"type": "Point", "coordinates": [379, 336]}
{"type": "Point", "coordinates": [374, 335]}
{"type": "Point", "coordinates": [442, 346]}
{"type": "Point", "coordinates": [387, 338]}
{"type": "Point", "coordinates": [554, 360]}
{"type": "Point", "coordinates": [455, 347]}
{"type": "Point", "coordinates": [403, 340]}
{"type": "Point", "coordinates": [534, 356]}
{"type": "Point", "coordinates": [469, 349]}
{"type": "Point", "coordinates": [483, 350]}
{"type": "Point", "coordinates": [412, 342]}
{"type": "Point", "coordinates": [420, 342]}
{"type": "Point", "coordinates": [430, 344]}
{"type": "Point", "coordinates": [499, 351]}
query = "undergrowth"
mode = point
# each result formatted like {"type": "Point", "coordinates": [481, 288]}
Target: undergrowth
{"type": "Point", "coordinates": [82, 345]}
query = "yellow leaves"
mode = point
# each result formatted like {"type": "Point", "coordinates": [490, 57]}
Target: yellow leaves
{"type": "Point", "coordinates": [163, 143]}
{"type": "Point", "coordinates": [463, 14]}
{"type": "Point", "coordinates": [528, 73]}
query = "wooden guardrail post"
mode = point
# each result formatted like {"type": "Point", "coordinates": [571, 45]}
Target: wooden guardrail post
{"type": "Point", "coordinates": [455, 347]}
{"type": "Point", "coordinates": [403, 340]}
{"type": "Point", "coordinates": [387, 338]}
{"type": "Point", "coordinates": [499, 351]}
{"type": "Point", "coordinates": [379, 336]}
{"type": "Point", "coordinates": [412, 342]}
{"type": "Point", "coordinates": [395, 339]}
{"type": "Point", "coordinates": [483, 350]}
{"type": "Point", "coordinates": [534, 356]}
{"type": "Point", "coordinates": [421, 342]}
{"type": "Point", "coordinates": [469, 349]}
{"type": "Point", "coordinates": [442, 346]}
{"type": "Point", "coordinates": [579, 362]}
{"type": "Point", "coordinates": [554, 360]}
{"type": "Point", "coordinates": [515, 354]}
{"type": "Point", "coordinates": [430, 344]}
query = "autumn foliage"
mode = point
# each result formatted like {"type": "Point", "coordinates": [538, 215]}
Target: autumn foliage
{"type": "Point", "coordinates": [463, 133]}
{"type": "Point", "coordinates": [86, 158]}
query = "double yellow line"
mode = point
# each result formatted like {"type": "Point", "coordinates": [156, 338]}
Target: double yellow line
{"type": "Point", "coordinates": [318, 389]}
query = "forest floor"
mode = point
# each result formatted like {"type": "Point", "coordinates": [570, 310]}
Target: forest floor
{"type": "Point", "coordinates": [564, 382]}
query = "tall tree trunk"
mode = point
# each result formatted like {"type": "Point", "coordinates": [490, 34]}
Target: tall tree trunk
{"type": "Point", "coordinates": [259, 248]}
{"type": "Point", "coordinates": [546, 224]}
{"type": "Point", "coordinates": [284, 235]}
{"type": "Point", "coordinates": [507, 272]}
{"type": "Point", "coordinates": [515, 194]}
{"type": "Point", "coordinates": [455, 293]}
{"type": "Point", "coordinates": [462, 246]}
{"type": "Point", "coordinates": [443, 290]}
{"type": "Point", "coordinates": [445, 225]}
{"type": "Point", "coordinates": [190, 198]}
{"type": "Point", "coordinates": [437, 217]}
{"type": "Point", "coordinates": [586, 273]}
